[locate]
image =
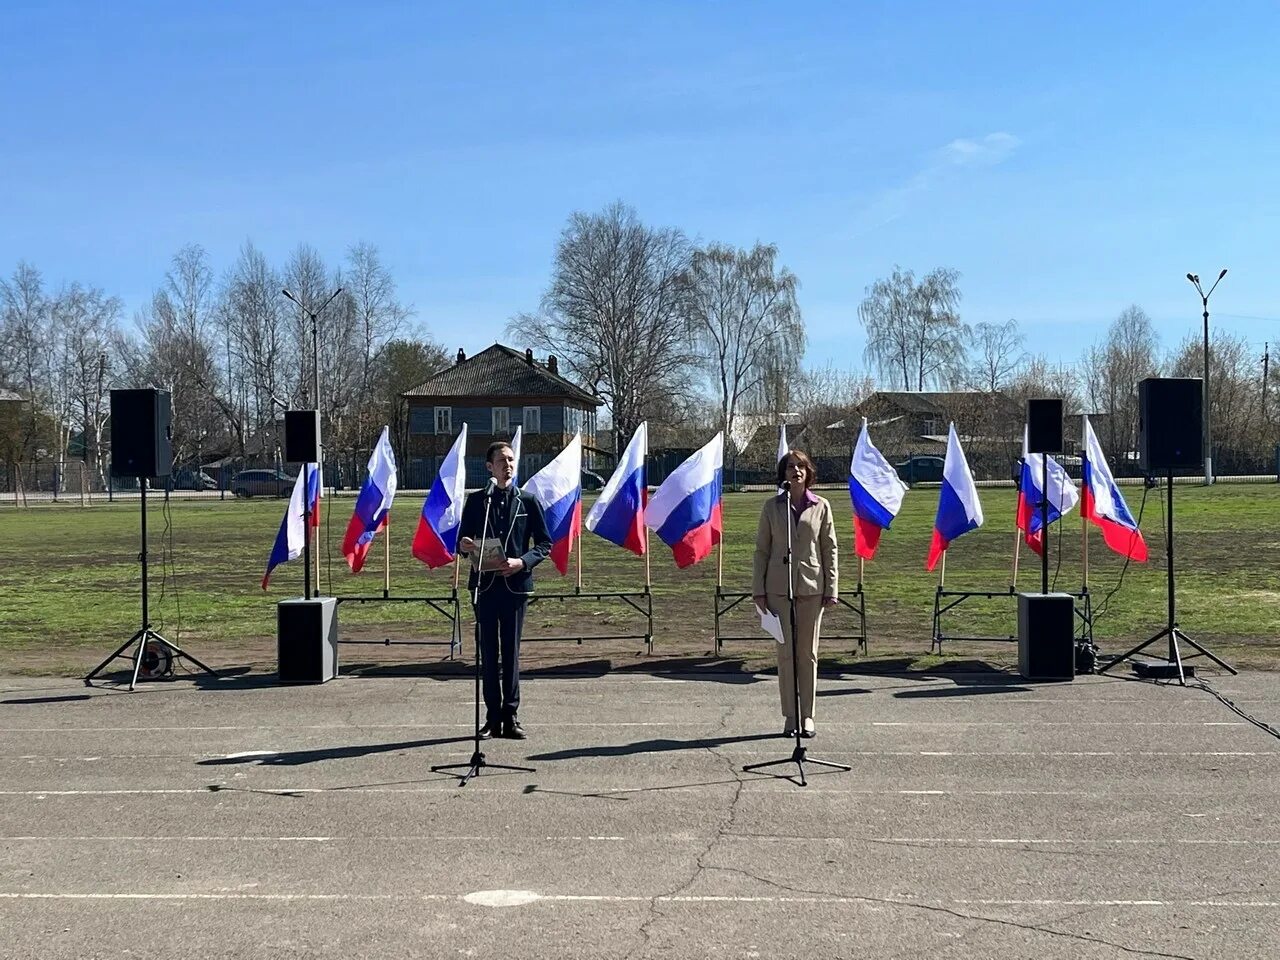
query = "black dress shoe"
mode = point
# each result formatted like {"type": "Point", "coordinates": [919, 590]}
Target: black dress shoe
{"type": "Point", "coordinates": [488, 730]}
{"type": "Point", "coordinates": [513, 730]}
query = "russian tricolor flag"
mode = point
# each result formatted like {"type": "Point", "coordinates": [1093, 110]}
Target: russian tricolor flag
{"type": "Point", "coordinates": [293, 532]}
{"type": "Point", "coordinates": [959, 510]}
{"type": "Point", "coordinates": [685, 510]}
{"type": "Point", "coordinates": [618, 515]}
{"type": "Point", "coordinates": [558, 488]}
{"type": "Point", "coordinates": [1104, 505]}
{"type": "Point", "coordinates": [373, 505]}
{"type": "Point", "coordinates": [876, 492]}
{"type": "Point", "coordinates": [1063, 494]}
{"type": "Point", "coordinates": [436, 540]}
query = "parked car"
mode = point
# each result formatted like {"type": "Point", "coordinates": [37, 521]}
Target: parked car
{"type": "Point", "coordinates": [193, 480]}
{"type": "Point", "coordinates": [592, 480]}
{"type": "Point", "coordinates": [262, 483]}
{"type": "Point", "coordinates": [920, 469]}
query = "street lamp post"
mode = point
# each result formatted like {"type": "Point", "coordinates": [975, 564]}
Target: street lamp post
{"type": "Point", "coordinates": [1208, 422]}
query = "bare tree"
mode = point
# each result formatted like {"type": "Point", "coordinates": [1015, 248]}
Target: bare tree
{"type": "Point", "coordinates": [746, 319]}
{"type": "Point", "coordinates": [379, 318]}
{"type": "Point", "coordinates": [401, 365]}
{"type": "Point", "coordinates": [259, 345]}
{"type": "Point", "coordinates": [25, 336]}
{"type": "Point", "coordinates": [914, 333]}
{"type": "Point", "coordinates": [616, 312]}
{"type": "Point", "coordinates": [87, 318]}
{"type": "Point", "coordinates": [998, 354]}
{"type": "Point", "coordinates": [1235, 394]}
{"type": "Point", "coordinates": [1112, 371]}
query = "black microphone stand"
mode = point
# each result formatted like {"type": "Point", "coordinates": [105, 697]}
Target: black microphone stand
{"type": "Point", "coordinates": [799, 753]}
{"type": "Point", "coordinates": [477, 761]}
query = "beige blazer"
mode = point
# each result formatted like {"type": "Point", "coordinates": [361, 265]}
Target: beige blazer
{"type": "Point", "coordinates": [816, 569]}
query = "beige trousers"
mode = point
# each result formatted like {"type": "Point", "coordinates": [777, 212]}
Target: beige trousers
{"type": "Point", "coordinates": [808, 625]}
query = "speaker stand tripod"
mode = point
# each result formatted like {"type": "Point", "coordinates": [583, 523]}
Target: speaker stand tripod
{"type": "Point", "coordinates": [1170, 666]}
{"type": "Point", "coordinates": [146, 635]}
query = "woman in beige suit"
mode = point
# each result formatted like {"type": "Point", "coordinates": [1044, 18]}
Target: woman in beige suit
{"type": "Point", "coordinates": [815, 579]}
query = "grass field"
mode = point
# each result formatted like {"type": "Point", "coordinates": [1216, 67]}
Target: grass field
{"type": "Point", "coordinates": [69, 590]}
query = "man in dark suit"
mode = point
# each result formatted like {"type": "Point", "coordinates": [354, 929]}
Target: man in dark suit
{"type": "Point", "coordinates": [517, 522]}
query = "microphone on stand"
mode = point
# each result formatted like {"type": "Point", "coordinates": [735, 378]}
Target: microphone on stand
{"type": "Point", "coordinates": [491, 487]}
{"type": "Point", "coordinates": [786, 484]}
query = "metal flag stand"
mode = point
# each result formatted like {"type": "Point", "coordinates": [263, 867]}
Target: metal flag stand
{"type": "Point", "coordinates": [448, 606]}
{"type": "Point", "coordinates": [641, 603]}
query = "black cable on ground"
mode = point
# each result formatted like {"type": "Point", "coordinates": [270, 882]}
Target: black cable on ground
{"type": "Point", "coordinates": [1240, 712]}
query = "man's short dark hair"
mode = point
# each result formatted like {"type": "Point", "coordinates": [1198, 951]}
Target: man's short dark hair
{"type": "Point", "coordinates": [801, 458]}
{"type": "Point", "coordinates": [494, 448]}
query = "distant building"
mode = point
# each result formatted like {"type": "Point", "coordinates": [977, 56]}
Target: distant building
{"type": "Point", "coordinates": [494, 392]}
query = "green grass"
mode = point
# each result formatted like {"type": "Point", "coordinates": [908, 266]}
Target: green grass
{"type": "Point", "coordinates": [69, 590]}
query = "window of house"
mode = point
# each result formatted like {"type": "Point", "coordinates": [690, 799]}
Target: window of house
{"type": "Point", "coordinates": [501, 420]}
{"type": "Point", "coordinates": [444, 419]}
{"type": "Point", "coordinates": [532, 419]}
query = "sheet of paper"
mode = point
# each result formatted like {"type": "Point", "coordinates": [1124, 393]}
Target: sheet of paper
{"type": "Point", "coordinates": [770, 623]}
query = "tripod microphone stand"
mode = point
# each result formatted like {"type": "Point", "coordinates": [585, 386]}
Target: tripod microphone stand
{"type": "Point", "coordinates": [1172, 666]}
{"type": "Point", "coordinates": [799, 753]}
{"type": "Point", "coordinates": [146, 634]}
{"type": "Point", "coordinates": [477, 761]}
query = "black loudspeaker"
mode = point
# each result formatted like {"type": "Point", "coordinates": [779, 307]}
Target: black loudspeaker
{"type": "Point", "coordinates": [140, 433]}
{"type": "Point", "coordinates": [1046, 636]}
{"type": "Point", "coordinates": [1044, 426]}
{"type": "Point", "coordinates": [1170, 423]}
{"type": "Point", "coordinates": [302, 436]}
{"type": "Point", "coordinates": [307, 640]}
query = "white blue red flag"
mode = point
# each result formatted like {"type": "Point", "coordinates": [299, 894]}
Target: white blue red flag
{"type": "Point", "coordinates": [515, 449]}
{"type": "Point", "coordinates": [876, 491]}
{"type": "Point", "coordinates": [1063, 494]}
{"type": "Point", "coordinates": [686, 510]}
{"type": "Point", "coordinates": [558, 488]}
{"type": "Point", "coordinates": [959, 510]}
{"type": "Point", "coordinates": [373, 505]}
{"type": "Point", "coordinates": [435, 542]}
{"type": "Point", "coordinates": [293, 531]}
{"type": "Point", "coordinates": [783, 449]}
{"type": "Point", "coordinates": [618, 515]}
{"type": "Point", "coordinates": [1104, 505]}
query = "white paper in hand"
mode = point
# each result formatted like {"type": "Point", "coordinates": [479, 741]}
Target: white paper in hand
{"type": "Point", "coordinates": [770, 623]}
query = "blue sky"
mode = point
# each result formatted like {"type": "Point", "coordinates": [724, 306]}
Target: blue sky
{"type": "Point", "coordinates": [1067, 160]}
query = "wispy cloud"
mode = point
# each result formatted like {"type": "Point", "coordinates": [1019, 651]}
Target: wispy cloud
{"type": "Point", "coordinates": [893, 202]}
{"type": "Point", "coordinates": [992, 149]}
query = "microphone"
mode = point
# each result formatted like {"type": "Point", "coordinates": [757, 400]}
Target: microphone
{"type": "Point", "coordinates": [786, 484]}
{"type": "Point", "coordinates": [491, 487]}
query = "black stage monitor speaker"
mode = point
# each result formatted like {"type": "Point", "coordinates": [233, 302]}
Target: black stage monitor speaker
{"type": "Point", "coordinates": [1044, 426]}
{"type": "Point", "coordinates": [140, 443]}
{"type": "Point", "coordinates": [1046, 636]}
{"type": "Point", "coordinates": [1170, 423]}
{"type": "Point", "coordinates": [307, 640]}
{"type": "Point", "coordinates": [302, 436]}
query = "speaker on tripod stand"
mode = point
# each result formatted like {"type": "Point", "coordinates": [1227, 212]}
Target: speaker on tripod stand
{"type": "Point", "coordinates": [1170, 412]}
{"type": "Point", "coordinates": [141, 448]}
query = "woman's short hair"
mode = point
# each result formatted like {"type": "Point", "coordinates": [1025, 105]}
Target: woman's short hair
{"type": "Point", "coordinates": [801, 458]}
{"type": "Point", "coordinates": [494, 448]}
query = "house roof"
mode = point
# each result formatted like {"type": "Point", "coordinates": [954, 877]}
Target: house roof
{"type": "Point", "coordinates": [919, 401]}
{"type": "Point", "coordinates": [8, 396]}
{"type": "Point", "coordinates": [499, 371]}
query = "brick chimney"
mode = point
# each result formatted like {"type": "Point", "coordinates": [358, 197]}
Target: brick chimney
{"type": "Point", "coordinates": [552, 364]}
{"type": "Point", "coordinates": [528, 356]}
{"type": "Point", "coordinates": [462, 355]}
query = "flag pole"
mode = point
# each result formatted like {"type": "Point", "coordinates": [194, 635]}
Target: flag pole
{"type": "Point", "coordinates": [1017, 547]}
{"type": "Point", "coordinates": [1084, 542]}
{"type": "Point", "coordinates": [648, 581]}
{"type": "Point", "coordinates": [577, 550]}
{"type": "Point", "coordinates": [386, 558]}
{"type": "Point", "coordinates": [862, 568]}
{"type": "Point", "coordinates": [942, 570]}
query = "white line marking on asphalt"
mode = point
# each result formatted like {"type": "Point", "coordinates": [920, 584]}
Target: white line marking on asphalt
{"type": "Point", "coordinates": [957, 841]}
{"type": "Point", "coordinates": [663, 898]}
